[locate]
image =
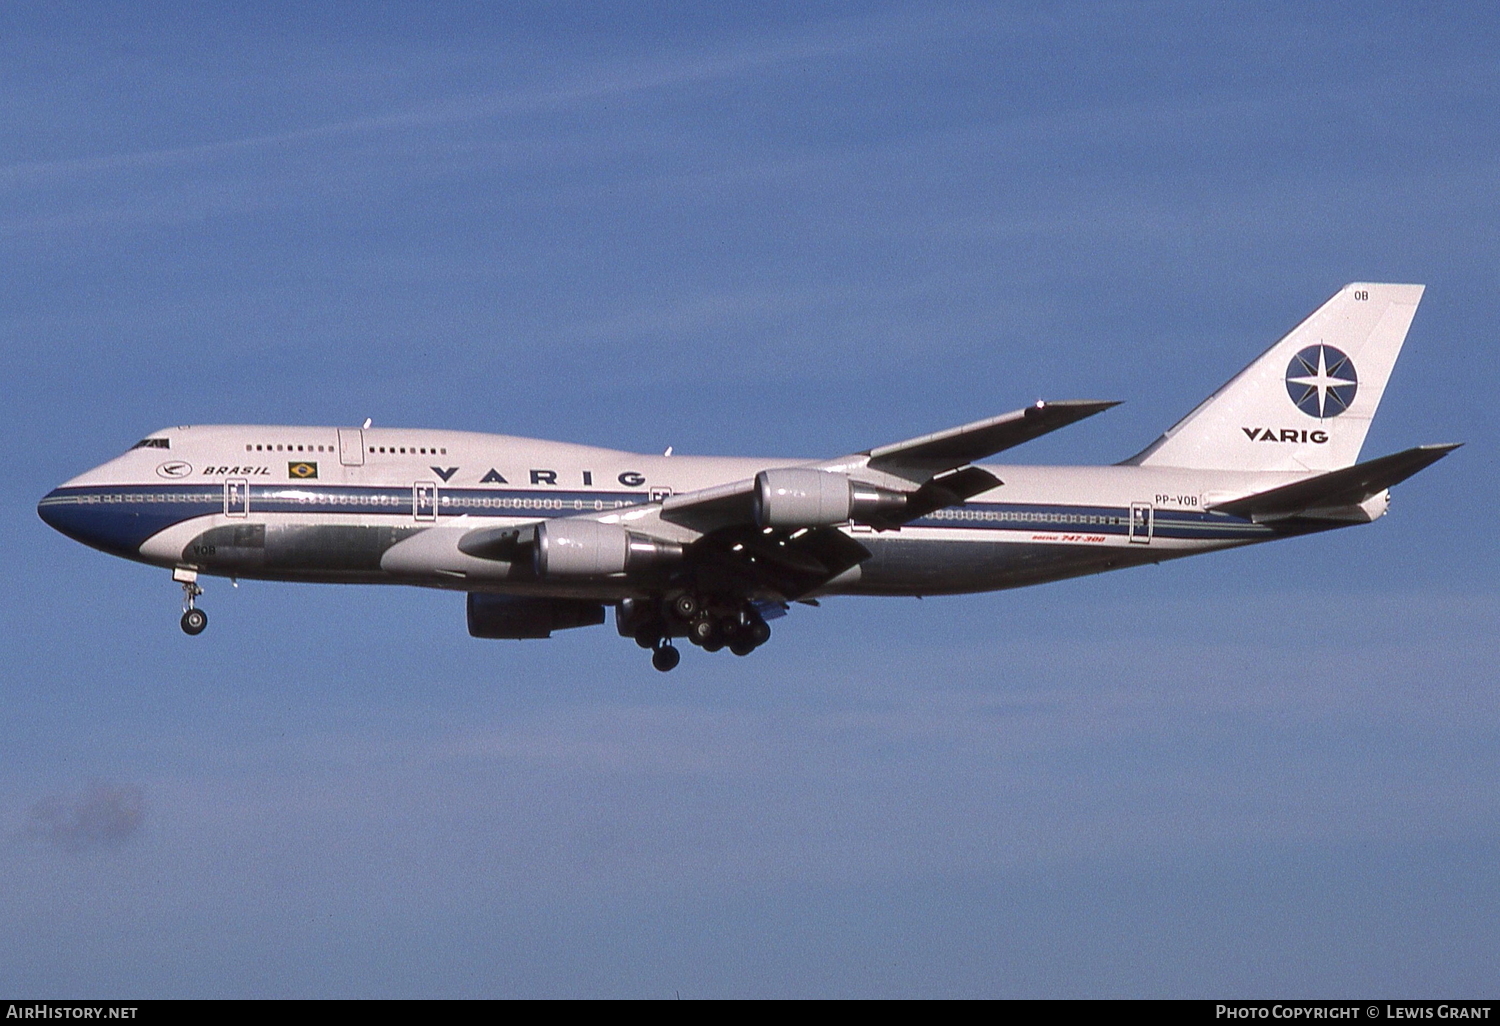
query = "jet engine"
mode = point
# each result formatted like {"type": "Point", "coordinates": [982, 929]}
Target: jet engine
{"type": "Point", "coordinates": [793, 497]}
{"type": "Point", "coordinates": [513, 616]}
{"type": "Point", "coordinates": [586, 548]}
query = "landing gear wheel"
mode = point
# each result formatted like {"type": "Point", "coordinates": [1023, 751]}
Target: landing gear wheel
{"type": "Point", "coordinates": [666, 658]}
{"type": "Point", "coordinates": [647, 637]}
{"type": "Point", "coordinates": [703, 631]}
{"type": "Point", "coordinates": [742, 648]}
{"type": "Point", "coordinates": [757, 632]}
{"type": "Point", "coordinates": [729, 633]}
{"type": "Point", "coordinates": [193, 618]}
{"type": "Point", "coordinates": [685, 606]}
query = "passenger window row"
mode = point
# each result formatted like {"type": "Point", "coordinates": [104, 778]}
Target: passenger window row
{"type": "Point", "coordinates": [388, 450]}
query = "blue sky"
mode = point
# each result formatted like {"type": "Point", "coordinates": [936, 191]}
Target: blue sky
{"type": "Point", "coordinates": [803, 230]}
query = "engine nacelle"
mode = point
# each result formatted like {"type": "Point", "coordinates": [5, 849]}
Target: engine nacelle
{"type": "Point", "coordinates": [793, 497]}
{"type": "Point", "coordinates": [514, 616]}
{"type": "Point", "coordinates": [568, 548]}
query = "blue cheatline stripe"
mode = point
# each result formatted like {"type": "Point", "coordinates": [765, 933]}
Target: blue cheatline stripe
{"type": "Point", "coordinates": [126, 515]}
{"type": "Point", "coordinates": [1081, 519]}
{"type": "Point", "coordinates": [452, 502]}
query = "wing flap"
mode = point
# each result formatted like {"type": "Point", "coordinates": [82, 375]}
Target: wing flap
{"type": "Point", "coordinates": [942, 491]}
{"type": "Point", "coordinates": [790, 564]}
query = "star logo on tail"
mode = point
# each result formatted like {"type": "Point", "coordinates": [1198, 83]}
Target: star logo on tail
{"type": "Point", "coordinates": [1321, 381]}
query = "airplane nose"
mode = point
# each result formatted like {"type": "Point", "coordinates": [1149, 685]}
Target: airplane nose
{"type": "Point", "coordinates": [90, 519]}
{"type": "Point", "coordinates": [50, 512]}
{"type": "Point", "coordinates": [119, 518]}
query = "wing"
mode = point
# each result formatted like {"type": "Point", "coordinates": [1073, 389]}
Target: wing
{"type": "Point", "coordinates": [776, 535]}
{"type": "Point", "coordinates": [955, 447]}
{"type": "Point", "coordinates": [936, 464]}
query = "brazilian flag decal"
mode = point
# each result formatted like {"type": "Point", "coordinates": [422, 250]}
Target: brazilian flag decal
{"type": "Point", "coordinates": [303, 471]}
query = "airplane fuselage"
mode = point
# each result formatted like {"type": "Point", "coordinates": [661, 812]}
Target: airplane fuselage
{"type": "Point", "coordinates": [342, 505]}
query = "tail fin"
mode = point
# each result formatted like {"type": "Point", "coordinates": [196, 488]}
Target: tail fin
{"type": "Point", "coordinates": [1305, 403]}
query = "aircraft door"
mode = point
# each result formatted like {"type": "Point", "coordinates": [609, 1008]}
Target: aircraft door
{"type": "Point", "coordinates": [236, 497]}
{"type": "Point", "coordinates": [1141, 522]}
{"type": "Point", "coordinates": [351, 447]}
{"type": "Point", "coordinates": [424, 500]}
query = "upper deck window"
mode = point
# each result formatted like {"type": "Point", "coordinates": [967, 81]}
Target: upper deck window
{"type": "Point", "coordinates": [153, 443]}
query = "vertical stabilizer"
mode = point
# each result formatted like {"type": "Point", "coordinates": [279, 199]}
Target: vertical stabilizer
{"type": "Point", "coordinates": [1307, 402]}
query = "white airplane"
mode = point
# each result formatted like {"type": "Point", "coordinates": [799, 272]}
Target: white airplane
{"type": "Point", "coordinates": [543, 535]}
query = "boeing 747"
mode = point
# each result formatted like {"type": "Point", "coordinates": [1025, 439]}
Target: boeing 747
{"type": "Point", "coordinates": [543, 536]}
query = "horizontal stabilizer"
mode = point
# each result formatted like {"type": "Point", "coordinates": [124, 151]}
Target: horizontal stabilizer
{"type": "Point", "coordinates": [1337, 488]}
{"type": "Point", "coordinates": [958, 446]}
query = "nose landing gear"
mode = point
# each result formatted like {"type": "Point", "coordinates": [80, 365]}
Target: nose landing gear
{"type": "Point", "coordinates": [665, 657]}
{"type": "Point", "coordinates": [194, 620]}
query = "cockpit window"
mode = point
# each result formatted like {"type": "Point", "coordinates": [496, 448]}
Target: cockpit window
{"type": "Point", "coordinates": [153, 443]}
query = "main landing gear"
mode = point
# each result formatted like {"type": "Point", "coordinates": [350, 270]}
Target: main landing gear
{"type": "Point", "coordinates": [741, 634]}
{"type": "Point", "coordinates": [709, 624]}
{"type": "Point", "coordinates": [194, 620]}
